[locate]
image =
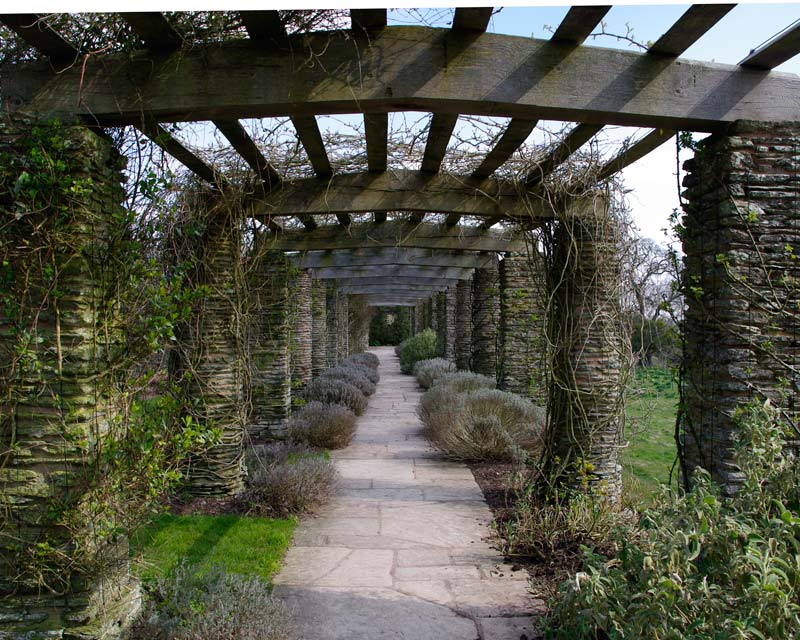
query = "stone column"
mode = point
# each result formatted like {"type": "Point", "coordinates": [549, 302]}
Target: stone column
{"type": "Point", "coordinates": [302, 330]}
{"type": "Point", "coordinates": [359, 318]}
{"type": "Point", "coordinates": [741, 245]}
{"type": "Point", "coordinates": [269, 346]}
{"type": "Point", "coordinates": [332, 306]}
{"type": "Point", "coordinates": [419, 317]}
{"type": "Point", "coordinates": [586, 401]}
{"type": "Point", "coordinates": [485, 319]}
{"type": "Point", "coordinates": [319, 332]}
{"type": "Point", "coordinates": [60, 340]}
{"type": "Point", "coordinates": [432, 312]}
{"type": "Point", "coordinates": [440, 305]}
{"type": "Point", "coordinates": [522, 343]}
{"type": "Point", "coordinates": [342, 327]}
{"type": "Point", "coordinates": [463, 338]}
{"type": "Point", "coordinates": [446, 323]}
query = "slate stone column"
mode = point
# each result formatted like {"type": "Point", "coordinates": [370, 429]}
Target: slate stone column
{"type": "Point", "coordinates": [319, 331]}
{"type": "Point", "coordinates": [302, 329]}
{"type": "Point", "coordinates": [342, 327]}
{"type": "Point", "coordinates": [359, 318]}
{"type": "Point", "coordinates": [485, 318]}
{"type": "Point", "coordinates": [446, 310]}
{"type": "Point", "coordinates": [741, 246]}
{"type": "Point", "coordinates": [269, 346]}
{"type": "Point", "coordinates": [432, 312]}
{"type": "Point", "coordinates": [60, 339]}
{"type": "Point", "coordinates": [463, 322]}
{"type": "Point", "coordinates": [586, 401]}
{"type": "Point", "coordinates": [332, 316]}
{"type": "Point", "coordinates": [522, 343]}
{"type": "Point", "coordinates": [419, 317]}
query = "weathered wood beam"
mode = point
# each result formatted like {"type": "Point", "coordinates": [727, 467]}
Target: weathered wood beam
{"type": "Point", "coordinates": [781, 48]}
{"type": "Point", "coordinates": [690, 27]}
{"type": "Point", "coordinates": [392, 270]}
{"type": "Point", "coordinates": [246, 147]}
{"type": "Point", "coordinates": [376, 131]}
{"type": "Point", "coordinates": [636, 151]}
{"type": "Point", "coordinates": [392, 257]}
{"type": "Point", "coordinates": [396, 281]}
{"type": "Point", "coordinates": [380, 301]}
{"type": "Point", "coordinates": [379, 216]}
{"type": "Point", "coordinates": [403, 190]}
{"type": "Point", "coordinates": [497, 75]}
{"type": "Point", "coordinates": [368, 19]}
{"type": "Point", "coordinates": [441, 129]}
{"type": "Point", "coordinates": [32, 28]}
{"type": "Point", "coordinates": [309, 222]}
{"type": "Point", "coordinates": [396, 234]}
{"type": "Point", "coordinates": [488, 223]}
{"type": "Point", "coordinates": [475, 19]}
{"type": "Point", "coordinates": [515, 134]}
{"type": "Point", "coordinates": [265, 27]}
{"type": "Point", "coordinates": [154, 29]}
{"type": "Point", "coordinates": [452, 219]}
{"type": "Point", "coordinates": [416, 217]}
{"type": "Point", "coordinates": [309, 133]}
{"type": "Point", "coordinates": [387, 289]}
{"type": "Point", "coordinates": [344, 219]}
{"type": "Point", "coordinates": [573, 141]}
{"type": "Point", "coordinates": [579, 23]}
{"type": "Point", "coordinates": [173, 147]}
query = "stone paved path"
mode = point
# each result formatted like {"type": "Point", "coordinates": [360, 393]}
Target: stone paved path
{"type": "Point", "coordinates": [404, 549]}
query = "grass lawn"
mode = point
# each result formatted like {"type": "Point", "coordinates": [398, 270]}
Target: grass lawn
{"type": "Point", "coordinates": [244, 545]}
{"type": "Point", "coordinates": [652, 405]}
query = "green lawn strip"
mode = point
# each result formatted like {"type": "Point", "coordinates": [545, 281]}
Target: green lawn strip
{"type": "Point", "coordinates": [243, 545]}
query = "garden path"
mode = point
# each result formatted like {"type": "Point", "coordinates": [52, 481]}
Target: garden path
{"type": "Point", "coordinates": [404, 549]}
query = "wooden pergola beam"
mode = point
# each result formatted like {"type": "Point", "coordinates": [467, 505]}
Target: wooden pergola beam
{"type": "Point", "coordinates": [392, 270]}
{"type": "Point", "coordinates": [345, 220]}
{"type": "Point", "coordinates": [379, 216]}
{"type": "Point", "coordinates": [515, 134]}
{"type": "Point", "coordinates": [368, 19]}
{"type": "Point", "coordinates": [579, 23]}
{"type": "Point", "coordinates": [439, 133]}
{"type": "Point", "coordinates": [162, 138]}
{"type": "Point", "coordinates": [246, 147]}
{"type": "Point", "coordinates": [376, 131]}
{"type": "Point", "coordinates": [309, 222]}
{"type": "Point", "coordinates": [309, 133]}
{"type": "Point", "coordinates": [32, 28]}
{"type": "Point", "coordinates": [689, 28]}
{"type": "Point", "coordinates": [781, 48]}
{"type": "Point", "coordinates": [264, 27]}
{"type": "Point", "coordinates": [475, 19]}
{"type": "Point", "coordinates": [393, 257]}
{"type": "Point", "coordinates": [395, 282]}
{"type": "Point", "coordinates": [396, 234]}
{"type": "Point", "coordinates": [502, 75]}
{"type": "Point", "coordinates": [636, 151]}
{"type": "Point", "coordinates": [573, 141]}
{"type": "Point", "coordinates": [403, 190]}
{"type": "Point", "coordinates": [154, 29]}
{"type": "Point", "coordinates": [387, 289]}
{"type": "Point", "coordinates": [416, 217]}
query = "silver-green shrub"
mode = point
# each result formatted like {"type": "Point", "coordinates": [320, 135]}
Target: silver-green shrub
{"type": "Point", "coordinates": [429, 371]}
{"type": "Point", "coordinates": [367, 359]}
{"type": "Point", "coordinates": [328, 426]}
{"type": "Point", "coordinates": [330, 390]}
{"type": "Point", "coordinates": [351, 375]}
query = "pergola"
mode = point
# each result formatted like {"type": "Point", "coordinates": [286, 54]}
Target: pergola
{"type": "Point", "coordinates": [422, 247]}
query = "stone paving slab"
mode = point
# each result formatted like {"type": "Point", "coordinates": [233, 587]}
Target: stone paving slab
{"type": "Point", "coordinates": [404, 549]}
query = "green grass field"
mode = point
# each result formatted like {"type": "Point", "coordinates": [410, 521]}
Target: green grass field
{"type": "Point", "coordinates": [652, 405]}
{"type": "Point", "coordinates": [243, 545]}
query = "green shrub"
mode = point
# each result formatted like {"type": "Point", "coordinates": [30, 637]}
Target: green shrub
{"type": "Point", "coordinates": [429, 371]}
{"type": "Point", "coordinates": [351, 375]}
{"type": "Point", "coordinates": [419, 347]}
{"type": "Point", "coordinates": [328, 426]}
{"type": "Point", "coordinates": [698, 564]}
{"type": "Point", "coordinates": [331, 390]}
{"type": "Point", "coordinates": [190, 604]}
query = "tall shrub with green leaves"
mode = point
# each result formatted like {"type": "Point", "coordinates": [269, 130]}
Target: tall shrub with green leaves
{"type": "Point", "coordinates": [421, 346]}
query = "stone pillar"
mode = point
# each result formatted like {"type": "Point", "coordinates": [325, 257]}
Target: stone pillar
{"type": "Point", "coordinates": [446, 323]}
{"type": "Point", "coordinates": [522, 343]}
{"type": "Point", "coordinates": [586, 401]}
{"type": "Point", "coordinates": [432, 312]}
{"type": "Point", "coordinates": [419, 317]}
{"type": "Point", "coordinates": [319, 332]}
{"type": "Point", "coordinates": [60, 340]}
{"type": "Point", "coordinates": [269, 346]}
{"type": "Point", "coordinates": [302, 330]}
{"type": "Point", "coordinates": [342, 327]}
{"type": "Point", "coordinates": [332, 341]}
{"type": "Point", "coordinates": [741, 245]}
{"type": "Point", "coordinates": [463, 337]}
{"type": "Point", "coordinates": [359, 318]}
{"type": "Point", "coordinates": [485, 319]}
{"type": "Point", "coordinates": [440, 306]}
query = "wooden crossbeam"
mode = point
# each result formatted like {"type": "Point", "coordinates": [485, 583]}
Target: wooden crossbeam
{"type": "Point", "coordinates": [376, 131]}
{"type": "Point", "coordinates": [416, 217]}
{"type": "Point", "coordinates": [395, 281]}
{"type": "Point", "coordinates": [386, 289]}
{"type": "Point", "coordinates": [393, 257]}
{"type": "Point", "coordinates": [309, 133]}
{"type": "Point", "coordinates": [452, 219]}
{"type": "Point", "coordinates": [379, 216]}
{"type": "Point", "coordinates": [368, 19]}
{"type": "Point", "coordinates": [781, 48]}
{"type": "Point", "coordinates": [515, 134]}
{"type": "Point", "coordinates": [246, 147]}
{"type": "Point", "coordinates": [173, 147]}
{"type": "Point", "coordinates": [503, 76]}
{"type": "Point", "coordinates": [439, 133]}
{"type": "Point", "coordinates": [689, 28]}
{"type": "Point", "coordinates": [32, 28]}
{"type": "Point", "coordinates": [392, 270]}
{"type": "Point", "coordinates": [579, 23]}
{"type": "Point", "coordinates": [154, 29]}
{"type": "Point", "coordinates": [488, 223]}
{"type": "Point", "coordinates": [309, 222]}
{"type": "Point", "coordinates": [636, 151]}
{"type": "Point", "coordinates": [475, 19]}
{"type": "Point", "coordinates": [264, 27]}
{"type": "Point", "coordinates": [344, 219]}
{"type": "Point", "coordinates": [573, 141]}
{"type": "Point", "coordinates": [396, 234]}
{"type": "Point", "coordinates": [380, 301]}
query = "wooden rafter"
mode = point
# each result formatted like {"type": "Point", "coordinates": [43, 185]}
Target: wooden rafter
{"type": "Point", "coordinates": [344, 219]}
{"type": "Point", "coordinates": [264, 27]}
{"type": "Point", "coordinates": [154, 29]}
{"type": "Point", "coordinates": [379, 216]}
{"type": "Point", "coordinates": [689, 28]}
{"type": "Point", "coordinates": [515, 134]}
{"type": "Point", "coordinates": [502, 76]}
{"type": "Point", "coordinates": [475, 19]}
{"type": "Point", "coordinates": [452, 219]}
{"type": "Point", "coordinates": [387, 289]}
{"type": "Point", "coordinates": [309, 133]}
{"type": "Point", "coordinates": [309, 222]}
{"type": "Point", "coordinates": [439, 133]}
{"type": "Point", "coordinates": [246, 147]}
{"type": "Point", "coordinates": [175, 148]}
{"type": "Point", "coordinates": [579, 23]}
{"type": "Point", "coordinates": [392, 270]}
{"type": "Point", "coordinates": [393, 280]}
{"type": "Point", "coordinates": [781, 48]}
{"type": "Point", "coordinates": [416, 217]}
{"type": "Point", "coordinates": [393, 257]}
{"type": "Point", "coordinates": [376, 131]}
{"type": "Point", "coordinates": [33, 29]}
{"type": "Point", "coordinates": [573, 141]}
{"type": "Point", "coordinates": [636, 151]}
{"type": "Point", "coordinates": [368, 19]}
